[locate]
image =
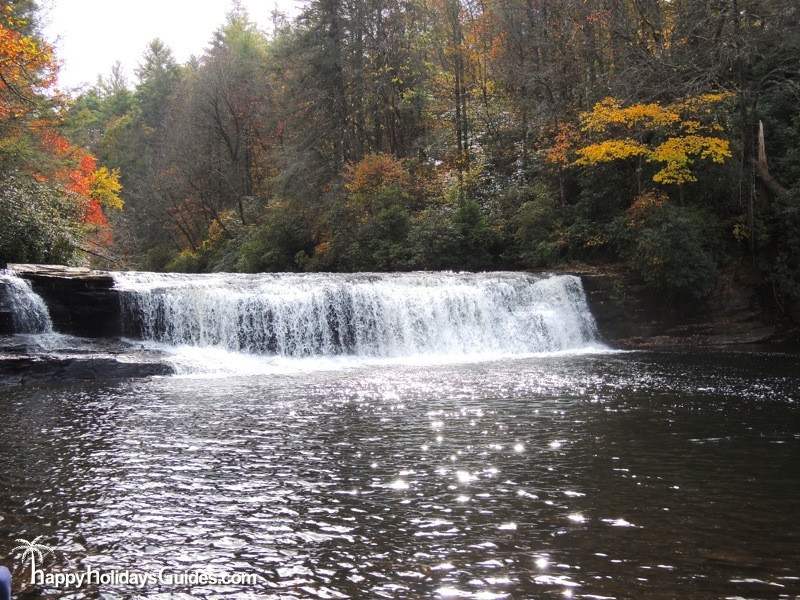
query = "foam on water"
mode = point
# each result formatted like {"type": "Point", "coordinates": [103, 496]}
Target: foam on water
{"type": "Point", "coordinates": [212, 362]}
{"type": "Point", "coordinates": [358, 318]}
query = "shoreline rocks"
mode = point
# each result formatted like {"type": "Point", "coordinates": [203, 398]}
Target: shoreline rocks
{"type": "Point", "coordinates": [27, 369]}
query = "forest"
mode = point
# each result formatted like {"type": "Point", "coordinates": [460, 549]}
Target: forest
{"type": "Point", "coordinates": [658, 136]}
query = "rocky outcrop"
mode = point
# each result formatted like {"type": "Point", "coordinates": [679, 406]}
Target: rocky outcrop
{"type": "Point", "coordinates": [81, 301]}
{"type": "Point", "coordinates": [631, 316]}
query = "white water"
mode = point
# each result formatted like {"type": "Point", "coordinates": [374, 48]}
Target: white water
{"type": "Point", "coordinates": [29, 313]}
{"type": "Point", "coordinates": [337, 317]}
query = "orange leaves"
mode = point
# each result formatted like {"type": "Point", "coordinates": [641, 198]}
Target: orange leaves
{"type": "Point", "coordinates": [599, 17]}
{"type": "Point", "coordinates": [375, 182]}
{"type": "Point", "coordinates": [373, 172]}
{"type": "Point", "coordinates": [97, 224]}
{"type": "Point", "coordinates": [77, 165]}
{"type": "Point", "coordinates": [563, 145]}
{"type": "Point", "coordinates": [95, 187]}
{"type": "Point", "coordinates": [642, 204]}
{"type": "Point", "coordinates": [55, 143]}
{"type": "Point", "coordinates": [26, 66]}
{"type": "Point", "coordinates": [29, 121]}
{"type": "Point", "coordinates": [79, 179]}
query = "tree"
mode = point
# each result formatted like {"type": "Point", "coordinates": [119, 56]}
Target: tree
{"type": "Point", "coordinates": [676, 136]}
{"type": "Point", "coordinates": [49, 178]}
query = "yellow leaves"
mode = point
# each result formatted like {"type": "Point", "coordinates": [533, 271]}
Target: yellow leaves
{"type": "Point", "coordinates": [741, 232]}
{"type": "Point", "coordinates": [610, 150]}
{"type": "Point", "coordinates": [609, 112]}
{"type": "Point", "coordinates": [679, 153]}
{"type": "Point", "coordinates": [677, 135]}
{"type": "Point", "coordinates": [702, 104]}
{"type": "Point", "coordinates": [20, 55]}
{"type": "Point", "coordinates": [691, 126]}
{"type": "Point", "coordinates": [597, 240]}
{"type": "Point", "coordinates": [106, 188]}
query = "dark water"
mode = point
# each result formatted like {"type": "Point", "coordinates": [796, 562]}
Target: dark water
{"type": "Point", "coordinates": [622, 475]}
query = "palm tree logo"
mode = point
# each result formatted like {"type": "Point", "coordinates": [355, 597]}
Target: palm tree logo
{"type": "Point", "coordinates": [33, 550]}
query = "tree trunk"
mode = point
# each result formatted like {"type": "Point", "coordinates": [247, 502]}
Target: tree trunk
{"type": "Point", "coordinates": [762, 167]}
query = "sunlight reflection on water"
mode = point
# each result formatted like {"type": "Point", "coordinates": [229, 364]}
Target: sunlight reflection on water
{"type": "Point", "coordinates": [575, 476]}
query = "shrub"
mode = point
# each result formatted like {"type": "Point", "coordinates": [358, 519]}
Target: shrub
{"type": "Point", "coordinates": [780, 258]}
{"type": "Point", "coordinates": [535, 229]}
{"type": "Point", "coordinates": [275, 244]}
{"type": "Point", "coordinates": [39, 222]}
{"type": "Point", "coordinates": [670, 247]}
{"type": "Point", "coordinates": [477, 241]}
{"type": "Point", "coordinates": [434, 241]}
{"type": "Point", "coordinates": [187, 261]}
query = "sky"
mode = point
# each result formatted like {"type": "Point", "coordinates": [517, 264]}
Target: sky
{"type": "Point", "coordinates": [90, 35]}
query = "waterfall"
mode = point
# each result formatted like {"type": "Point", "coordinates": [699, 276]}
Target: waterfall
{"type": "Point", "coordinates": [370, 314]}
{"type": "Point", "coordinates": [29, 313]}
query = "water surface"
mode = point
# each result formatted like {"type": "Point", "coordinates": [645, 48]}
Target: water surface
{"type": "Point", "coordinates": [625, 475]}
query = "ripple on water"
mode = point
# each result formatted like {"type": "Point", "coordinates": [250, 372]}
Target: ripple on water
{"type": "Point", "coordinates": [482, 481]}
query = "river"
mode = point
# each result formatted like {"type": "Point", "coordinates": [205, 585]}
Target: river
{"type": "Point", "coordinates": [426, 464]}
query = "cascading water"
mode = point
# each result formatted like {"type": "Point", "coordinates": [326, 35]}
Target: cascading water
{"type": "Point", "coordinates": [29, 313]}
{"type": "Point", "coordinates": [375, 315]}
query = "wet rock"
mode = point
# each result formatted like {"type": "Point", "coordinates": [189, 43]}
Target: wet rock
{"type": "Point", "coordinates": [24, 369]}
{"type": "Point", "coordinates": [630, 316]}
{"type": "Point", "coordinates": [81, 301]}
{"type": "Point", "coordinates": [6, 310]}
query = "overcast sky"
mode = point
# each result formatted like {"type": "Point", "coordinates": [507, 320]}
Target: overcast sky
{"type": "Point", "coordinates": [90, 35]}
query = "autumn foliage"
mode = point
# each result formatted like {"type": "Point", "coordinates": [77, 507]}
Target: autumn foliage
{"type": "Point", "coordinates": [27, 66]}
{"type": "Point", "coordinates": [676, 137]}
{"type": "Point", "coordinates": [30, 141]}
{"type": "Point", "coordinates": [373, 172]}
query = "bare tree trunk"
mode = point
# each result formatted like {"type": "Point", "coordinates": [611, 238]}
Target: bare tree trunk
{"type": "Point", "coordinates": [762, 167]}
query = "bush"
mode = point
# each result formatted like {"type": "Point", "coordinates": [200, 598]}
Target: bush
{"type": "Point", "coordinates": [39, 222]}
{"type": "Point", "coordinates": [157, 258]}
{"type": "Point", "coordinates": [536, 229]}
{"type": "Point", "coordinates": [188, 261]}
{"type": "Point", "coordinates": [434, 241]}
{"type": "Point", "coordinates": [275, 244]}
{"type": "Point", "coordinates": [477, 241]}
{"type": "Point", "coordinates": [670, 247]}
{"type": "Point", "coordinates": [374, 239]}
{"type": "Point", "coordinates": [369, 227]}
{"type": "Point", "coordinates": [780, 257]}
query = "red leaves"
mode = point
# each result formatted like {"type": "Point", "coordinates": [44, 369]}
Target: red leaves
{"type": "Point", "coordinates": [76, 174]}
